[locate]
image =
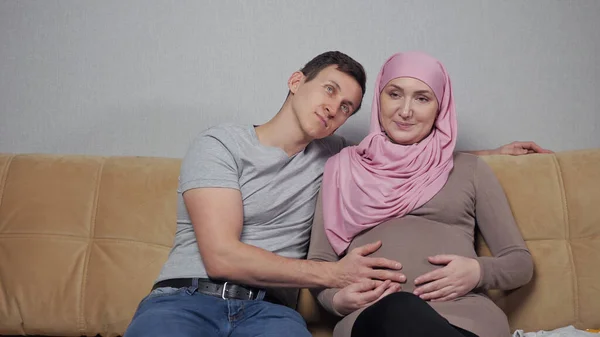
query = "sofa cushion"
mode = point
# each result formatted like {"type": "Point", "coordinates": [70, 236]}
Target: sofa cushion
{"type": "Point", "coordinates": [81, 240]}
{"type": "Point", "coordinates": [555, 200]}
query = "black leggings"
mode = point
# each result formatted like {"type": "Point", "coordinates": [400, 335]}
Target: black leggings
{"type": "Point", "coordinates": [404, 314]}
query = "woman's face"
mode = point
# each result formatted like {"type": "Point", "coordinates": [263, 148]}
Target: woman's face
{"type": "Point", "coordinates": [408, 109]}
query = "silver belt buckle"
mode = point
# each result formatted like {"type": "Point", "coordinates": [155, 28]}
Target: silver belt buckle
{"type": "Point", "coordinates": [224, 289]}
{"type": "Point", "coordinates": [251, 293]}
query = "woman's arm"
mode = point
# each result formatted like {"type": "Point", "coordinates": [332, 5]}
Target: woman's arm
{"type": "Point", "coordinates": [511, 265]}
{"type": "Point", "coordinates": [321, 250]}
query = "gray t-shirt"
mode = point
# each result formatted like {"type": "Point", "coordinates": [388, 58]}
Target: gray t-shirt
{"type": "Point", "coordinates": [278, 192]}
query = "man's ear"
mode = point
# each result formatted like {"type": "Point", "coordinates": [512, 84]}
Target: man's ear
{"type": "Point", "coordinates": [295, 81]}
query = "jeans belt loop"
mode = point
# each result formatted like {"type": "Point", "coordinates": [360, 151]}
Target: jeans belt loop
{"type": "Point", "coordinates": [194, 287]}
{"type": "Point", "coordinates": [261, 294]}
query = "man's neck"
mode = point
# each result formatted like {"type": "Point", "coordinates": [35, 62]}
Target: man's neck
{"type": "Point", "coordinates": [283, 131]}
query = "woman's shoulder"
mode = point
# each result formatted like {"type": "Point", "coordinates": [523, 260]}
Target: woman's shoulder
{"type": "Point", "coordinates": [466, 162]}
{"type": "Point", "coordinates": [473, 168]}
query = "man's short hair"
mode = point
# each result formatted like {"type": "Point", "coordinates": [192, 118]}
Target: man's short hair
{"type": "Point", "coordinates": [344, 63]}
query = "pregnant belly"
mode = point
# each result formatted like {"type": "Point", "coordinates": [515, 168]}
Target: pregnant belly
{"type": "Point", "coordinates": [411, 240]}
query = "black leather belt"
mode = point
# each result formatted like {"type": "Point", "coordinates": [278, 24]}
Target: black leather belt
{"type": "Point", "coordinates": [225, 290]}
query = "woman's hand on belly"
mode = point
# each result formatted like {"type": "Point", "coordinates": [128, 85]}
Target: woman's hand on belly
{"type": "Point", "coordinates": [459, 276]}
{"type": "Point", "coordinates": [358, 295]}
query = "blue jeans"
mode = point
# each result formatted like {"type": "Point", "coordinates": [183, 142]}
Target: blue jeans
{"type": "Point", "coordinates": [184, 312]}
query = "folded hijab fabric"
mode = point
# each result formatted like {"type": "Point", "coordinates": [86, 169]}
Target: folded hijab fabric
{"type": "Point", "coordinates": [377, 180]}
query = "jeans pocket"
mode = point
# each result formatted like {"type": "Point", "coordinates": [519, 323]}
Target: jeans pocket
{"type": "Point", "coordinates": [162, 291]}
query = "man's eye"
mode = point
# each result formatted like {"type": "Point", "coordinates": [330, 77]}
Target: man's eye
{"type": "Point", "coordinates": [345, 109]}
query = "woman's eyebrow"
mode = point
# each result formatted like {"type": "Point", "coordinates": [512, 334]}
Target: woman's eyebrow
{"type": "Point", "coordinates": [423, 92]}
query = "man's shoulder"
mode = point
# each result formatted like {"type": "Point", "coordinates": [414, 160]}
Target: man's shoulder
{"type": "Point", "coordinates": [227, 130]}
{"type": "Point", "coordinates": [227, 134]}
{"type": "Point", "coordinates": [219, 139]}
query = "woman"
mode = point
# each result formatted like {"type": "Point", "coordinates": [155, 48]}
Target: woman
{"type": "Point", "coordinates": [405, 186]}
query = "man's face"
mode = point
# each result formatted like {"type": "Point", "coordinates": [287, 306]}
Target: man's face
{"type": "Point", "coordinates": [324, 103]}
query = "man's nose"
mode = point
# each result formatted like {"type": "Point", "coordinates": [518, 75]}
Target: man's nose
{"type": "Point", "coordinates": [331, 110]}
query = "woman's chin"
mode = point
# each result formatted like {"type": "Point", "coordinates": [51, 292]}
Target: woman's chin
{"type": "Point", "coordinates": [402, 139]}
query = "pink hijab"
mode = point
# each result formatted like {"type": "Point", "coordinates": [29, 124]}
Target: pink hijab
{"type": "Point", "coordinates": [377, 180]}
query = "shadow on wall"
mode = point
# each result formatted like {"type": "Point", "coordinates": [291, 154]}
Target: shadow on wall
{"type": "Point", "coordinates": [354, 133]}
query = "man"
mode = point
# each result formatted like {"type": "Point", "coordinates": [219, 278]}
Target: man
{"type": "Point", "coordinates": [246, 199]}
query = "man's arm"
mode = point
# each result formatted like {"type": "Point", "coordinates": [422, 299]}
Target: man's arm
{"type": "Point", "coordinates": [217, 217]}
{"type": "Point", "coordinates": [513, 149]}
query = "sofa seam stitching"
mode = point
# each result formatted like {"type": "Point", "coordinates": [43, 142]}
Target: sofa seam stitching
{"type": "Point", "coordinates": [2, 189]}
{"type": "Point", "coordinates": [81, 238]}
{"type": "Point", "coordinates": [82, 323]}
{"type": "Point", "coordinates": [5, 178]}
{"type": "Point", "coordinates": [568, 237]}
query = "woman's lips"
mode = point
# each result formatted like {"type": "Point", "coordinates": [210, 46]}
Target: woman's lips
{"type": "Point", "coordinates": [404, 126]}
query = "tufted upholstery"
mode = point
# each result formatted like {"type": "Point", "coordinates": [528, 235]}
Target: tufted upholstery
{"type": "Point", "coordinates": [556, 202]}
{"type": "Point", "coordinates": [82, 238]}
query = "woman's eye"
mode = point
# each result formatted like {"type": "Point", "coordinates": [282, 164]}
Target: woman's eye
{"type": "Point", "coordinates": [329, 89]}
{"type": "Point", "coordinates": [423, 99]}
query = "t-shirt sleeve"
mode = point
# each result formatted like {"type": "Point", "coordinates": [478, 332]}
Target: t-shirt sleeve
{"type": "Point", "coordinates": [210, 162]}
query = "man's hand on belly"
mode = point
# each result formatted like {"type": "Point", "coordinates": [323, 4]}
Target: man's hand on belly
{"type": "Point", "coordinates": [358, 295]}
{"type": "Point", "coordinates": [459, 276]}
{"type": "Point", "coordinates": [357, 266]}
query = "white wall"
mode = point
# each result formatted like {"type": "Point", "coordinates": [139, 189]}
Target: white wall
{"type": "Point", "coordinates": [144, 77]}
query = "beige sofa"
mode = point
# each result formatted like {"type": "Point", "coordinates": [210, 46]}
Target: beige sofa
{"type": "Point", "coordinates": [82, 238]}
